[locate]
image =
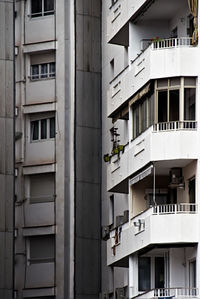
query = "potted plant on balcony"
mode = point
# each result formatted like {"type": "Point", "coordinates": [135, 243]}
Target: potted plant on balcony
{"type": "Point", "coordinates": [106, 158]}
{"type": "Point", "coordinates": [121, 147]}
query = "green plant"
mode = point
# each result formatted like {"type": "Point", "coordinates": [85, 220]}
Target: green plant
{"type": "Point", "coordinates": [121, 147]}
{"type": "Point", "coordinates": [106, 158]}
{"type": "Point", "coordinates": [156, 39]}
{"type": "Point", "coordinates": [115, 151]}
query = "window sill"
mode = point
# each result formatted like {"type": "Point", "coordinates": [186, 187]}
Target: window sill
{"type": "Point", "coordinates": [41, 79]}
{"type": "Point", "coordinates": [42, 140]}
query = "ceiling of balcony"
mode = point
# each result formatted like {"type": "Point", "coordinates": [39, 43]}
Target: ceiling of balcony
{"type": "Point", "coordinates": [163, 10]}
{"type": "Point", "coordinates": [163, 167]}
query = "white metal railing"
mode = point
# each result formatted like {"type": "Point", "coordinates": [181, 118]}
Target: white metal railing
{"type": "Point", "coordinates": [175, 125]}
{"type": "Point", "coordinates": [176, 292]}
{"type": "Point", "coordinates": [181, 208]}
{"type": "Point", "coordinates": [172, 43]}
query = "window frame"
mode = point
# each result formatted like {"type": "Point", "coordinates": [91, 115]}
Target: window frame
{"type": "Point", "coordinates": [43, 12]}
{"type": "Point", "coordinates": [181, 87]}
{"type": "Point", "coordinates": [39, 129]}
{"type": "Point", "coordinates": [146, 103]}
{"type": "Point", "coordinates": [40, 75]}
{"type": "Point", "coordinates": [31, 261]}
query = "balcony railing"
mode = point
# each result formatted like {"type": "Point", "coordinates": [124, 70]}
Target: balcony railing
{"type": "Point", "coordinates": [175, 125]}
{"type": "Point", "coordinates": [168, 292]}
{"type": "Point", "coordinates": [181, 208]}
{"type": "Point", "coordinates": [176, 292]}
{"type": "Point", "coordinates": [172, 43]}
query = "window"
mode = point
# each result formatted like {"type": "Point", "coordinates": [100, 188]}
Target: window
{"type": "Point", "coordinates": [41, 8]}
{"type": "Point", "coordinates": [144, 275]}
{"type": "Point", "coordinates": [173, 92]}
{"type": "Point", "coordinates": [43, 129]}
{"type": "Point", "coordinates": [192, 190]}
{"type": "Point", "coordinates": [189, 104]}
{"type": "Point", "coordinates": [42, 188]}
{"type": "Point", "coordinates": [41, 249]}
{"type": "Point", "coordinates": [143, 114]}
{"type": "Point", "coordinates": [43, 71]}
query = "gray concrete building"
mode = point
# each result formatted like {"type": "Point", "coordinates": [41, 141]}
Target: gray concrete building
{"type": "Point", "coordinates": [6, 149]}
{"type": "Point", "coordinates": [57, 150]}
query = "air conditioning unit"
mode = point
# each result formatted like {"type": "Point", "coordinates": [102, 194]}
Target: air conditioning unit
{"type": "Point", "coordinates": [120, 293]}
{"type": "Point", "coordinates": [105, 234]}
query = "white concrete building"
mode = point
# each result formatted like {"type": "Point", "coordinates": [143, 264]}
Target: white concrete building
{"type": "Point", "coordinates": [151, 139]}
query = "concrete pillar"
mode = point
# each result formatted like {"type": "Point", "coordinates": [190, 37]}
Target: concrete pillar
{"type": "Point", "coordinates": [6, 148]}
{"type": "Point", "coordinates": [133, 275]}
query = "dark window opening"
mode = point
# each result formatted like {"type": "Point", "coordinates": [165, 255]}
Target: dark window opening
{"type": "Point", "coordinates": [42, 8]}
{"type": "Point", "coordinates": [162, 106]}
{"type": "Point", "coordinates": [159, 273]}
{"type": "Point", "coordinates": [144, 275]}
{"type": "Point", "coordinates": [35, 130]}
{"type": "Point", "coordinates": [189, 104]}
{"type": "Point", "coordinates": [192, 190]}
{"type": "Point", "coordinates": [173, 105]}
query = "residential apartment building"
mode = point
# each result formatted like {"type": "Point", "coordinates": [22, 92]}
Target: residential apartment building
{"type": "Point", "coordinates": [57, 150]}
{"type": "Point", "coordinates": [150, 214]}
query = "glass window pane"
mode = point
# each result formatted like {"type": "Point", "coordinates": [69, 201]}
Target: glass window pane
{"type": "Point", "coordinates": [43, 129]}
{"type": "Point", "coordinates": [189, 103]}
{"type": "Point", "coordinates": [151, 110]}
{"type": "Point", "coordinates": [35, 130]}
{"type": "Point", "coordinates": [48, 7]}
{"type": "Point", "coordinates": [190, 81]}
{"type": "Point", "coordinates": [52, 127]}
{"type": "Point", "coordinates": [144, 273]}
{"type": "Point", "coordinates": [144, 115]}
{"type": "Point", "coordinates": [175, 82]}
{"type": "Point", "coordinates": [136, 122]}
{"type": "Point", "coordinates": [173, 105]}
{"type": "Point", "coordinates": [35, 72]}
{"type": "Point", "coordinates": [36, 8]}
{"type": "Point", "coordinates": [44, 70]}
{"type": "Point", "coordinates": [162, 83]}
{"type": "Point", "coordinates": [159, 272]}
{"type": "Point", "coordinates": [52, 69]}
{"type": "Point", "coordinates": [162, 106]}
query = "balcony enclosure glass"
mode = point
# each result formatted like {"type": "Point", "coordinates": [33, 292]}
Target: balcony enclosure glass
{"type": "Point", "coordinates": [171, 100]}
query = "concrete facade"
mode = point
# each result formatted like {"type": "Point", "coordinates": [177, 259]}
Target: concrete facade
{"type": "Point", "coordinates": [150, 193]}
{"type": "Point", "coordinates": [6, 149]}
{"type": "Point", "coordinates": [58, 150]}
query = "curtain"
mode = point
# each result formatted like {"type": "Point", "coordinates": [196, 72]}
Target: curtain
{"type": "Point", "coordinates": [193, 9]}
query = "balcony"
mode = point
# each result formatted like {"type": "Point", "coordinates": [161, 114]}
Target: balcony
{"type": "Point", "coordinates": [173, 144]}
{"type": "Point", "coordinates": [120, 13]}
{"type": "Point", "coordinates": [170, 293]}
{"type": "Point", "coordinates": [161, 224]}
{"type": "Point", "coordinates": [162, 59]}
